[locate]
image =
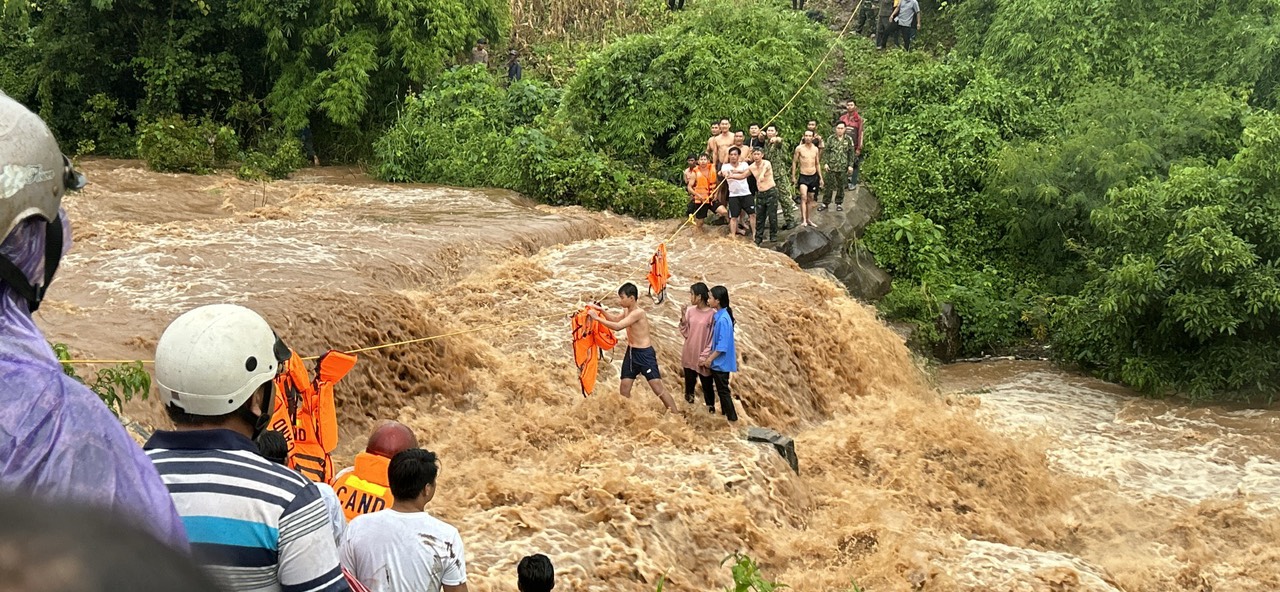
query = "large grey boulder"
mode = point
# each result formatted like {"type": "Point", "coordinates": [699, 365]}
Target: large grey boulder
{"type": "Point", "coordinates": [826, 246]}
{"type": "Point", "coordinates": [806, 245]}
{"type": "Point", "coordinates": [785, 446]}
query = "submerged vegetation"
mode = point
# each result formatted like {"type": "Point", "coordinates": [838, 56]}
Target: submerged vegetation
{"type": "Point", "coordinates": [1095, 176]}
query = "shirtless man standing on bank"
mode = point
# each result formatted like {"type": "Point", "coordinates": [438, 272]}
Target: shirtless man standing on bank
{"type": "Point", "coordinates": [640, 358]}
{"type": "Point", "coordinates": [806, 161]}
{"type": "Point", "coordinates": [722, 143]}
{"type": "Point", "coordinates": [711, 142]}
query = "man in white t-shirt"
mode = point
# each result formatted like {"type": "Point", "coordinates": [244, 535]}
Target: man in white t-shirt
{"type": "Point", "coordinates": [405, 549]}
{"type": "Point", "coordinates": [735, 173]}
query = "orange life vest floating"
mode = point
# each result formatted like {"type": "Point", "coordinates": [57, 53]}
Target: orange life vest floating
{"type": "Point", "coordinates": [659, 273]}
{"type": "Point", "coordinates": [590, 339]}
{"type": "Point", "coordinates": [306, 413]}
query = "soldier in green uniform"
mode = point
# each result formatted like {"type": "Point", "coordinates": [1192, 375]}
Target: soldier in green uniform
{"type": "Point", "coordinates": [868, 15]}
{"type": "Point", "coordinates": [777, 153]}
{"type": "Point", "coordinates": [837, 161]}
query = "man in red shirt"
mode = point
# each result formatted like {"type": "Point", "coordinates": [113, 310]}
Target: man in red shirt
{"type": "Point", "coordinates": [853, 121]}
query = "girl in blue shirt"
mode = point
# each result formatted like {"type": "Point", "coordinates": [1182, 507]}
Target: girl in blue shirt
{"type": "Point", "coordinates": [721, 356]}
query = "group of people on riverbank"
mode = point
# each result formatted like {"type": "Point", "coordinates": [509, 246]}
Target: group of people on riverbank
{"type": "Point", "coordinates": [734, 178]}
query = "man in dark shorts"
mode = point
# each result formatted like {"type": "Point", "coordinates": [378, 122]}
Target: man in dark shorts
{"type": "Point", "coordinates": [741, 201]}
{"type": "Point", "coordinates": [806, 173]}
{"type": "Point", "coordinates": [640, 358]}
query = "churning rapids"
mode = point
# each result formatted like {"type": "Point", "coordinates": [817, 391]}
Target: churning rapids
{"type": "Point", "coordinates": [1006, 477]}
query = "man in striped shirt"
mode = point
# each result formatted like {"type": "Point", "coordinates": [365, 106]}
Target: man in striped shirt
{"type": "Point", "coordinates": [255, 526]}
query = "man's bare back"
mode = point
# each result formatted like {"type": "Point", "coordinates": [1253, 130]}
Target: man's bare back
{"type": "Point", "coordinates": [807, 159]}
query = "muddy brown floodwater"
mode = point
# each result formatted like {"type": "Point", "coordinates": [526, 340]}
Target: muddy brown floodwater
{"type": "Point", "coordinates": [1011, 477]}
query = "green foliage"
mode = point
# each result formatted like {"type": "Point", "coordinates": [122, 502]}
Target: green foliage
{"type": "Point", "coordinates": [340, 57]}
{"type": "Point", "coordinates": [747, 576]}
{"type": "Point", "coordinates": [1111, 137]}
{"type": "Point", "coordinates": [462, 131]}
{"type": "Point", "coordinates": [1070, 44]}
{"type": "Point", "coordinates": [275, 157]}
{"type": "Point", "coordinates": [949, 122]}
{"type": "Point", "coordinates": [176, 144]}
{"type": "Point", "coordinates": [116, 385]}
{"type": "Point", "coordinates": [1186, 293]}
{"type": "Point", "coordinates": [654, 95]}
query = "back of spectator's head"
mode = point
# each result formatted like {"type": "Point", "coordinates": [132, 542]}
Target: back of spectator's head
{"type": "Point", "coordinates": [273, 446]}
{"type": "Point", "coordinates": [535, 574]}
{"type": "Point", "coordinates": [411, 472]}
{"type": "Point", "coordinates": [71, 548]}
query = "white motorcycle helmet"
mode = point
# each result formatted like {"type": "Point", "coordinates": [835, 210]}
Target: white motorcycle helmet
{"type": "Point", "coordinates": [210, 360]}
{"type": "Point", "coordinates": [34, 175]}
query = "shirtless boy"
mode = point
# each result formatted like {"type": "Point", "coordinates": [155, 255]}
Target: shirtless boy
{"type": "Point", "coordinates": [640, 358]}
{"type": "Point", "coordinates": [806, 161]}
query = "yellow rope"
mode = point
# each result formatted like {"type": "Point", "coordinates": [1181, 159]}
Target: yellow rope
{"type": "Point", "coordinates": [532, 320]}
{"type": "Point", "coordinates": [528, 321]}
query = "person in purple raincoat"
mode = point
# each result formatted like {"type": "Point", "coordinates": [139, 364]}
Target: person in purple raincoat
{"type": "Point", "coordinates": [58, 441]}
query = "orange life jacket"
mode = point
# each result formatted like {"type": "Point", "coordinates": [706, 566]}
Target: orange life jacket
{"type": "Point", "coordinates": [365, 489]}
{"type": "Point", "coordinates": [306, 414]}
{"type": "Point", "coordinates": [704, 178]}
{"type": "Point", "coordinates": [590, 339]}
{"type": "Point", "coordinates": [659, 273]}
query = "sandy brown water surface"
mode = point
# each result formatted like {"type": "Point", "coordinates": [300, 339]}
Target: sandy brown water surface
{"type": "Point", "coordinates": [1013, 477]}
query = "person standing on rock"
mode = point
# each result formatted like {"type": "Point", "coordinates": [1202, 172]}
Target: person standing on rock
{"type": "Point", "coordinates": [711, 142]}
{"type": "Point", "coordinates": [854, 127]}
{"type": "Point", "coordinates": [884, 26]}
{"type": "Point", "coordinates": [817, 137]}
{"type": "Point", "coordinates": [695, 326]}
{"type": "Point", "coordinates": [866, 17]}
{"type": "Point", "coordinates": [640, 359]}
{"type": "Point", "coordinates": [721, 143]}
{"type": "Point", "coordinates": [806, 174]}
{"type": "Point", "coordinates": [721, 356]}
{"type": "Point", "coordinates": [57, 440]}
{"type": "Point", "coordinates": [700, 182]}
{"type": "Point", "coordinates": [907, 19]}
{"type": "Point", "coordinates": [838, 162]}
{"type": "Point", "coordinates": [735, 174]}
{"type": "Point", "coordinates": [777, 153]}
{"type": "Point", "coordinates": [766, 197]}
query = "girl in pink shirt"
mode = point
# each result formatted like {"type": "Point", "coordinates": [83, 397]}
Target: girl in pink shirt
{"type": "Point", "coordinates": [695, 326]}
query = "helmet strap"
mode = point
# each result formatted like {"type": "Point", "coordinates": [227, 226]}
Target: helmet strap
{"type": "Point", "coordinates": [264, 417]}
{"type": "Point", "coordinates": [12, 275]}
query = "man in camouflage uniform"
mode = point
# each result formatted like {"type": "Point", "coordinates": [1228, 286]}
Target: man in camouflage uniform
{"type": "Point", "coordinates": [868, 14]}
{"type": "Point", "coordinates": [838, 163]}
{"type": "Point", "coordinates": [776, 152]}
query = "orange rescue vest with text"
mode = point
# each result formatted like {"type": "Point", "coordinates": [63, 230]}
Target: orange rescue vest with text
{"type": "Point", "coordinates": [306, 414]}
{"type": "Point", "coordinates": [364, 489]}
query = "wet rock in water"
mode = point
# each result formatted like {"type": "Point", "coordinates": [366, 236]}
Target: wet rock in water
{"type": "Point", "coordinates": [785, 446]}
{"type": "Point", "coordinates": [825, 246]}
{"type": "Point", "coordinates": [806, 245]}
{"type": "Point", "coordinates": [858, 273]}
{"type": "Point", "coordinates": [948, 324]}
